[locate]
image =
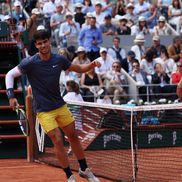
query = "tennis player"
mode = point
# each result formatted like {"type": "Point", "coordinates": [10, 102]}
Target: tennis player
{"type": "Point", "coordinates": [43, 71]}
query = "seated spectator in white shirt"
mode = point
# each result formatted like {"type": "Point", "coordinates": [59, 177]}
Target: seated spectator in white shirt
{"type": "Point", "coordinates": [116, 83]}
{"type": "Point", "coordinates": [141, 27]}
{"type": "Point", "coordinates": [73, 92]}
{"type": "Point", "coordinates": [106, 63]}
{"type": "Point", "coordinates": [168, 64]}
{"type": "Point", "coordinates": [147, 64]}
{"type": "Point", "coordinates": [163, 28]}
{"type": "Point", "coordinates": [108, 28]}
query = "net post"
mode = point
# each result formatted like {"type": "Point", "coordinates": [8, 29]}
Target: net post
{"type": "Point", "coordinates": [132, 151]}
{"type": "Point", "coordinates": [31, 139]}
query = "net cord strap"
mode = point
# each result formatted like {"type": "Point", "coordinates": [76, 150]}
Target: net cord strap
{"type": "Point", "coordinates": [40, 135]}
{"type": "Point", "coordinates": [132, 151]}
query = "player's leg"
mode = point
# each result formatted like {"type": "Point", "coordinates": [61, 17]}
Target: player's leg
{"type": "Point", "coordinates": [84, 171]}
{"type": "Point", "coordinates": [50, 126]}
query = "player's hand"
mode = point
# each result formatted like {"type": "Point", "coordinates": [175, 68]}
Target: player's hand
{"type": "Point", "coordinates": [96, 63]}
{"type": "Point", "coordinates": [13, 103]}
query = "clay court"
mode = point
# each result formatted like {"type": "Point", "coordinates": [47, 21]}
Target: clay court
{"type": "Point", "coordinates": [19, 170]}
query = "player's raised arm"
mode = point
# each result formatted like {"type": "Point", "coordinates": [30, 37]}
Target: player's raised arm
{"type": "Point", "coordinates": [84, 67]}
{"type": "Point", "coordinates": [10, 76]}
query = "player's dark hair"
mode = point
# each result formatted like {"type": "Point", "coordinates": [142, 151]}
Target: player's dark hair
{"type": "Point", "coordinates": [41, 35]}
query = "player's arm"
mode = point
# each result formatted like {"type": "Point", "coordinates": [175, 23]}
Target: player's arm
{"type": "Point", "coordinates": [82, 68]}
{"type": "Point", "coordinates": [10, 76]}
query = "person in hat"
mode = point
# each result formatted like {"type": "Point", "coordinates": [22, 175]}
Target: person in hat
{"type": "Point", "coordinates": [163, 28]}
{"type": "Point", "coordinates": [108, 28]}
{"type": "Point", "coordinates": [139, 47]}
{"type": "Point", "coordinates": [56, 20]}
{"type": "Point", "coordinates": [17, 13]}
{"type": "Point", "coordinates": [131, 17]}
{"type": "Point", "coordinates": [81, 57]}
{"type": "Point", "coordinates": [98, 14]}
{"type": "Point", "coordinates": [123, 28]}
{"type": "Point", "coordinates": [106, 62]}
{"type": "Point", "coordinates": [88, 17]}
{"type": "Point", "coordinates": [156, 46]}
{"type": "Point", "coordinates": [79, 15]}
{"type": "Point", "coordinates": [69, 29]}
{"type": "Point", "coordinates": [141, 27]}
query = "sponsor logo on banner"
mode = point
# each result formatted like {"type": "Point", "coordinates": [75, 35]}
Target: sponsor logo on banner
{"type": "Point", "coordinates": [111, 137]}
{"type": "Point", "coordinates": [154, 136]}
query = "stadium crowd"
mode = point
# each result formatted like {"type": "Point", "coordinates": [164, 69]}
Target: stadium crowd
{"type": "Point", "coordinates": [77, 28]}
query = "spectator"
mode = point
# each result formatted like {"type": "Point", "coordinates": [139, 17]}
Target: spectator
{"type": "Point", "coordinates": [175, 14]}
{"type": "Point", "coordinates": [120, 8]}
{"type": "Point", "coordinates": [87, 21]}
{"type": "Point", "coordinates": [73, 92]}
{"type": "Point", "coordinates": [69, 29]}
{"type": "Point", "coordinates": [156, 47]}
{"type": "Point", "coordinates": [176, 76]}
{"type": "Point", "coordinates": [132, 18]}
{"type": "Point", "coordinates": [175, 49]}
{"type": "Point", "coordinates": [106, 63]}
{"type": "Point", "coordinates": [116, 52]}
{"type": "Point", "coordinates": [141, 28]}
{"type": "Point", "coordinates": [162, 79]}
{"type": "Point", "coordinates": [152, 17]}
{"type": "Point", "coordinates": [17, 13]}
{"type": "Point", "coordinates": [48, 10]}
{"type": "Point", "coordinates": [79, 15]}
{"type": "Point", "coordinates": [116, 83]}
{"type": "Point", "coordinates": [68, 6]}
{"type": "Point", "coordinates": [56, 20]}
{"type": "Point", "coordinates": [90, 38]}
{"type": "Point", "coordinates": [81, 58]}
{"type": "Point", "coordinates": [163, 28]}
{"type": "Point", "coordinates": [163, 7]}
{"type": "Point", "coordinates": [91, 83]}
{"type": "Point", "coordinates": [98, 14]}
{"type": "Point", "coordinates": [123, 28]}
{"type": "Point", "coordinates": [108, 28]}
{"type": "Point", "coordinates": [167, 63]}
{"type": "Point", "coordinates": [141, 8]}
{"type": "Point", "coordinates": [148, 63]}
{"type": "Point", "coordinates": [139, 48]}
{"type": "Point", "coordinates": [141, 78]}
{"type": "Point", "coordinates": [87, 7]}
{"type": "Point", "coordinates": [129, 62]}
{"type": "Point", "coordinates": [107, 7]}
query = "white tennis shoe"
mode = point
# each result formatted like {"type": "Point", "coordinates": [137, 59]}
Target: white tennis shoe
{"type": "Point", "coordinates": [87, 174]}
{"type": "Point", "coordinates": [72, 179]}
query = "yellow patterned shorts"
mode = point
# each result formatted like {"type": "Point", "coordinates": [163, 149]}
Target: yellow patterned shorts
{"type": "Point", "coordinates": [59, 117]}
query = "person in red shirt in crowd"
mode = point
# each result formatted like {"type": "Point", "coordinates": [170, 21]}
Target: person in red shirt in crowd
{"type": "Point", "coordinates": [176, 76]}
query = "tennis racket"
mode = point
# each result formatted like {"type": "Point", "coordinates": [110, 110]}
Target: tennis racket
{"type": "Point", "coordinates": [23, 122]}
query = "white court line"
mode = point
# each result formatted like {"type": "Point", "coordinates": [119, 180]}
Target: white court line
{"type": "Point", "coordinates": [16, 167]}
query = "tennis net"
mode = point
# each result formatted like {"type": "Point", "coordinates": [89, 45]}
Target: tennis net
{"type": "Point", "coordinates": [126, 143]}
